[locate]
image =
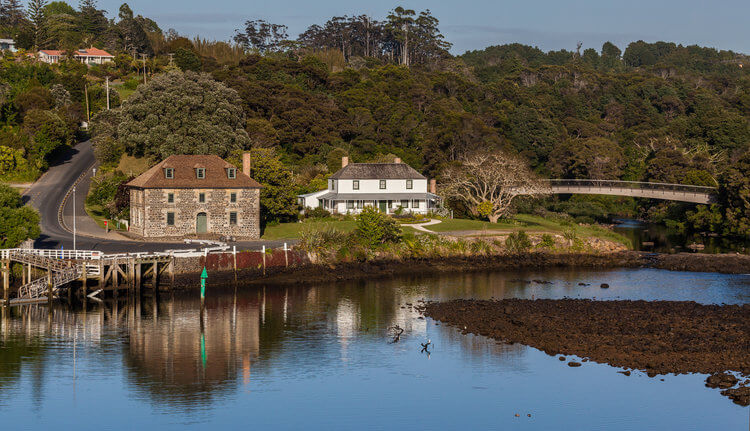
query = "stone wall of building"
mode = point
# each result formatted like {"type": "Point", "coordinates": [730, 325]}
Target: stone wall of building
{"type": "Point", "coordinates": [150, 207]}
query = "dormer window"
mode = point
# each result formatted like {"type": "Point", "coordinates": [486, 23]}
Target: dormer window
{"type": "Point", "coordinates": [231, 173]}
{"type": "Point", "coordinates": [169, 173]}
{"type": "Point", "coordinates": [200, 173]}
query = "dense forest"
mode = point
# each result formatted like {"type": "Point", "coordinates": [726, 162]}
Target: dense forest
{"type": "Point", "coordinates": [373, 88]}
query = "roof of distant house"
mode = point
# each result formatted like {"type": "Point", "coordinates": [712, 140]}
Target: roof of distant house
{"type": "Point", "coordinates": [184, 174]}
{"type": "Point", "coordinates": [377, 171]}
{"type": "Point", "coordinates": [51, 51]}
{"type": "Point", "coordinates": [92, 52]}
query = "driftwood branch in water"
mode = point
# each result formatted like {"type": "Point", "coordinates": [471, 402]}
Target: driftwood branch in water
{"type": "Point", "coordinates": [397, 333]}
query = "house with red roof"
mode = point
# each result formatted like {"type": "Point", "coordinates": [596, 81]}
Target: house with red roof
{"type": "Point", "coordinates": [86, 56]}
{"type": "Point", "coordinates": [93, 56]}
{"type": "Point", "coordinates": [50, 56]}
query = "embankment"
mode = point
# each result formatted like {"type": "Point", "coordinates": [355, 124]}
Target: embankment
{"type": "Point", "coordinates": [293, 266]}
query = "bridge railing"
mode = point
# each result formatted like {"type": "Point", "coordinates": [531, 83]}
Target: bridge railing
{"type": "Point", "coordinates": [53, 254]}
{"type": "Point", "coordinates": [618, 184]}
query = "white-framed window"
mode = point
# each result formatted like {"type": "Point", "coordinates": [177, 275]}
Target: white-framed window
{"type": "Point", "coordinates": [359, 204]}
{"type": "Point", "coordinates": [231, 173]}
{"type": "Point", "coordinates": [409, 184]}
{"type": "Point", "coordinates": [202, 198]}
{"type": "Point", "coordinates": [350, 205]}
{"type": "Point", "coordinates": [233, 197]}
{"type": "Point", "coordinates": [200, 173]}
{"type": "Point", "coordinates": [169, 173]}
{"type": "Point", "coordinates": [333, 185]}
{"type": "Point", "coordinates": [405, 204]}
{"type": "Point", "coordinates": [355, 185]}
{"type": "Point", "coordinates": [382, 184]}
{"type": "Point", "coordinates": [415, 204]}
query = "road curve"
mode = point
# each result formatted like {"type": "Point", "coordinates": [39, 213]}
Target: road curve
{"type": "Point", "coordinates": [48, 194]}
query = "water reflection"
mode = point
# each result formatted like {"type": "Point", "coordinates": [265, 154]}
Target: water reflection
{"type": "Point", "coordinates": [259, 350]}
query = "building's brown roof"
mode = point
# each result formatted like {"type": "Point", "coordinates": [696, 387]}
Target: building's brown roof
{"type": "Point", "coordinates": [377, 171]}
{"type": "Point", "coordinates": [185, 178]}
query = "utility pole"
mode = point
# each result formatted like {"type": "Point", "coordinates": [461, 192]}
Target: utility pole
{"type": "Point", "coordinates": [143, 59]}
{"type": "Point", "coordinates": [107, 85]}
{"type": "Point", "coordinates": [74, 218]}
{"type": "Point", "coordinates": [88, 112]}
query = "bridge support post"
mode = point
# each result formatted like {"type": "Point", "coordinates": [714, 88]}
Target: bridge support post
{"type": "Point", "coordinates": [137, 278]}
{"type": "Point", "coordinates": [171, 273]}
{"type": "Point", "coordinates": [49, 284]}
{"type": "Point", "coordinates": [102, 281]}
{"type": "Point", "coordinates": [6, 282]}
{"type": "Point", "coordinates": [156, 276]}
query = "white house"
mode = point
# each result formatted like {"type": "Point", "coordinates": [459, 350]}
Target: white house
{"type": "Point", "coordinates": [386, 186]}
{"type": "Point", "coordinates": [93, 56]}
{"type": "Point", "coordinates": [50, 56]}
{"type": "Point", "coordinates": [87, 56]}
{"type": "Point", "coordinates": [8, 45]}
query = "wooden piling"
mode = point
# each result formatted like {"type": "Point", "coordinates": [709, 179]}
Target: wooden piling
{"type": "Point", "coordinates": [49, 284]}
{"type": "Point", "coordinates": [6, 281]}
{"type": "Point", "coordinates": [171, 272]}
{"type": "Point", "coordinates": [234, 256]}
{"type": "Point", "coordinates": [137, 278]}
{"type": "Point", "coordinates": [156, 276]}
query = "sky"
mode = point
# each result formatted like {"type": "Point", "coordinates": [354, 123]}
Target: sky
{"type": "Point", "coordinates": [476, 24]}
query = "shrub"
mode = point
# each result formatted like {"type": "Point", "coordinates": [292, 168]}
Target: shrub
{"type": "Point", "coordinates": [518, 242]}
{"type": "Point", "coordinates": [547, 241]}
{"type": "Point", "coordinates": [375, 228]}
{"type": "Point", "coordinates": [317, 213]}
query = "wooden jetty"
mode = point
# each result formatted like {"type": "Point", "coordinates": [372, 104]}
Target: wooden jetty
{"type": "Point", "coordinates": [45, 273]}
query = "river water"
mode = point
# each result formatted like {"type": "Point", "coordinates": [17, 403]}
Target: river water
{"type": "Point", "coordinates": [320, 357]}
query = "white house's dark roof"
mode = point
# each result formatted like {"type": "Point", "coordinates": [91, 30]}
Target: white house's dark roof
{"type": "Point", "coordinates": [377, 171]}
{"type": "Point", "coordinates": [376, 196]}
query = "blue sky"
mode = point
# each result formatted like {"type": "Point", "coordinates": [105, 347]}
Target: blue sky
{"type": "Point", "coordinates": [475, 24]}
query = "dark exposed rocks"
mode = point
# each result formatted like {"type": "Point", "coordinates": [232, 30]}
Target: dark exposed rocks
{"type": "Point", "coordinates": [721, 381]}
{"type": "Point", "coordinates": [604, 286]}
{"type": "Point", "coordinates": [657, 337]}
{"type": "Point", "coordinates": [574, 364]}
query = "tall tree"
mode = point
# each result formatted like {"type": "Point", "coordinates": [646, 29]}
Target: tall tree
{"type": "Point", "coordinates": [487, 183]}
{"type": "Point", "coordinates": [38, 18]}
{"type": "Point", "coordinates": [11, 13]}
{"type": "Point", "coordinates": [400, 23]}
{"type": "Point", "coordinates": [262, 35]}
{"type": "Point", "coordinates": [91, 21]}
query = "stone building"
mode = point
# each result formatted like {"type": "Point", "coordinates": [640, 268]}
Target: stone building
{"type": "Point", "coordinates": [188, 196]}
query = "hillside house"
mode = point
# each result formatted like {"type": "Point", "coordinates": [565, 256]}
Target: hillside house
{"type": "Point", "coordinates": [187, 196]}
{"type": "Point", "coordinates": [386, 186]}
{"type": "Point", "coordinates": [8, 45]}
{"type": "Point", "coordinates": [87, 56]}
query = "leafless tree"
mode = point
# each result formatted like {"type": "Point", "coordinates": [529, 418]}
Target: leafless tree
{"type": "Point", "coordinates": [487, 182]}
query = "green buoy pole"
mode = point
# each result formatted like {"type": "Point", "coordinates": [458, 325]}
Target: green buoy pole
{"type": "Point", "coordinates": [204, 276]}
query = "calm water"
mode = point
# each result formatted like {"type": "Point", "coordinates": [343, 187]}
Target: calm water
{"type": "Point", "coordinates": [320, 358]}
{"type": "Point", "coordinates": [661, 239]}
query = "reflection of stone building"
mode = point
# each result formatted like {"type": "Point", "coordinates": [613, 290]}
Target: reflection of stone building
{"type": "Point", "coordinates": [175, 361]}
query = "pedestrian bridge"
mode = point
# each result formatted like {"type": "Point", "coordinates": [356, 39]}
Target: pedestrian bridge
{"type": "Point", "coordinates": [664, 191]}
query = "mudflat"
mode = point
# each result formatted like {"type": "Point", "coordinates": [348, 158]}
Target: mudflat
{"type": "Point", "coordinates": [657, 337]}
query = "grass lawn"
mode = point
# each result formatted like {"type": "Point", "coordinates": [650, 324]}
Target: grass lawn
{"type": "Point", "coordinates": [293, 230]}
{"type": "Point", "coordinates": [97, 214]}
{"type": "Point", "coordinates": [123, 92]}
{"type": "Point", "coordinates": [529, 223]}
{"type": "Point", "coordinates": [133, 165]}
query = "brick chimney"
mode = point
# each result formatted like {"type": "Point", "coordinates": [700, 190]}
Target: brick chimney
{"type": "Point", "coordinates": [246, 164]}
{"type": "Point", "coordinates": [433, 186]}
{"type": "Point", "coordinates": [344, 161]}
{"type": "Point", "coordinates": [397, 160]}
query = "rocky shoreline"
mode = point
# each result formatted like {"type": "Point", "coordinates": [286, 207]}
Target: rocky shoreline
{"type": "Point", "coordinates": [656, 337]}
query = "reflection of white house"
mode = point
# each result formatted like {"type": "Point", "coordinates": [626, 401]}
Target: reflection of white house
{"type": "Point", "coordinates": [8, 45]}
{"type": "Point", "coordinates": [386, 186]}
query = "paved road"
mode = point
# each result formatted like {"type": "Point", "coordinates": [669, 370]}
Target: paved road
{"type": "Point", "coordinates": [49, 192]}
